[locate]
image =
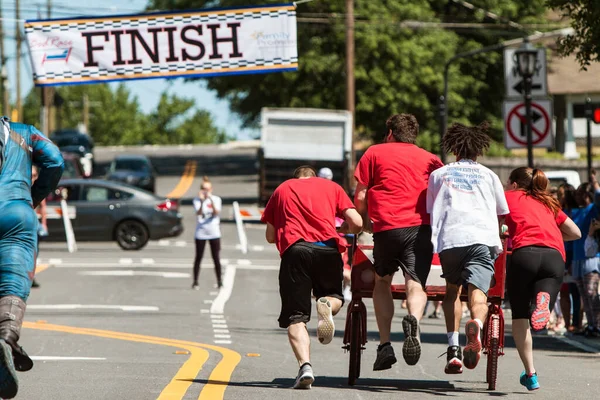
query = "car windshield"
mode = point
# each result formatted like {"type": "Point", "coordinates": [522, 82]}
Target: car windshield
{"type": "Point", "coordinates": [130, 164]}
{"type": "Point", "coordinates": [70, 170]}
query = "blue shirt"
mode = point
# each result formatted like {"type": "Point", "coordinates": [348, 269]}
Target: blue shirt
{"type": "Point", "coordinates": [24, 147]}
{"type": "Point", "coordinates": [583, 218]}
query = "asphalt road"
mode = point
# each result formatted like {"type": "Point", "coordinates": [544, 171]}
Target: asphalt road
{"type": "Point", "coordinates": [111, 324]}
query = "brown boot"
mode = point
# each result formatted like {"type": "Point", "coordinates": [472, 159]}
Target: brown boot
{"type": "Point", "coordinates": [12, 311]}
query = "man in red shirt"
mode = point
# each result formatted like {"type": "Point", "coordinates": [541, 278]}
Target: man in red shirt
{"type": "Point", "coordinates": [300, 217]}
{"type": "Point", "coordinates": [392, 179]}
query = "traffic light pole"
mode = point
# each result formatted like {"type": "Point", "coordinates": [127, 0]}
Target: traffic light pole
{"type": "Point", "coordinates": [589, 115]}
{"type": "Point", "coordinates": [528, 121]}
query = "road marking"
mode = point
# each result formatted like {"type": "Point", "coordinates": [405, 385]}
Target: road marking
{"type": "Point", "coordinates": [56, 358]}
{"type": "Point", "coordinates": [42, 307]}
{"type": "Point", "coordinates": [55, 261]}
{"type": "Point", "coordinates": [162, 264]}
{"type": "Point", "coordinates": [41, 267]}
{"type": "Point", "coordinates": [189, 173]}
{"type": "Point", "coordinates": [169, 275]}
{"type": "Point", "coordinates": [125, 261]}
{"type": "Point", "coordinates": [219, 326]}
{"type": "Point", "coordinates": [176, 389]}
{"type": "Point", "coordinates": [257, 248]}
{"type": "Point", "coordinates": [180, 243]}
{"type": "Point", "coordinates": [164, 242]}
{"type": "Point", "coordinates": [208, 301]}
{"type": "Point", "coordinates": [204, 311]}
{"type": "Point", "coordinates": [213, 293]}
{"type": "Point", "coordinates": [220, 330]}
{"type": "Point", "coordinates": [223, 336]}
{"type": "Point", "coordinates": [147, 261]}
{"type": "Point", "coordinates": [244, 262]}
{"type": "Point", "coordinates": [225, 293]}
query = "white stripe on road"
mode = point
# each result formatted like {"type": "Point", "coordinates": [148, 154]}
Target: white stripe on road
{"type": "Point", "coordinates": [56, 358]}
{"type": "Point", "coordinates": [125, 261]}
{"type": "Point", "coordinates": [204, 311]}
{"type": "Point", "coordinates": [164, 242]}
{"type": "Point", "coordinates": [180, 243]}
{"type": "Point", "coordinates": [225, 293]}
{"type": "Point", "coordinates": [213, 293]}
{"type": "Point", "coordinates": [220, 330]}
{"type": "Point", "coordinates": [244, 262]}
{"type": "Point", "coordinates": [147, 261]}
{"type": "Point", "coordinates": [55, 261]}
{"type": "Point", "coordinates": [223, 336]}
{"type": "Point", "coordinates": [220, 326]}
{"type": "Point", "coordinates": [208, 301]}
{"type": "Point", "coordinates": [89, 307]}
{"type": "Point", "coordinates": [166, 265]}
{"type": "Point", "coordinates": [222, 341]}
{"type": "Point", "coordinates": [137, 273]}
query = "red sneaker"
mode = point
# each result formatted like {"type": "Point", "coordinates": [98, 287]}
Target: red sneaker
{"type": "Point", "coordinates": [541, 315]}
{"type": "Point", "coordinates": [472, 351]}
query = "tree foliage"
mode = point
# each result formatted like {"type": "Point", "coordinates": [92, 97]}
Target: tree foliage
{"type": "Point", "coordinates": [585, 42]}
{"type": "Point", "coordinates": [397, 69]}
{"type": "Point", "coordinates": [115, 117]}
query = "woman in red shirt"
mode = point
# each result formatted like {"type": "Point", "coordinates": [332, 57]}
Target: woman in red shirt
{"type": "Point", "coordinates": [537, 227]}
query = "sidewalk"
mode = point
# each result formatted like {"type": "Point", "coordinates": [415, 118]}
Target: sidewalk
{"type": "Point", "coordinates": [581, 342]}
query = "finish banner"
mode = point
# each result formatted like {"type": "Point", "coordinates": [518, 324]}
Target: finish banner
{"type": "Point", "coordinates": [205, 43]}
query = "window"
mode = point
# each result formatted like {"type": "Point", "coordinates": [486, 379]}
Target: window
{"type": "Point", "coordinates": [71, 193]}
{"type": "Point", "coordinates": [98, 193]}
{"type": "Point", "coordinates": [130, 164]}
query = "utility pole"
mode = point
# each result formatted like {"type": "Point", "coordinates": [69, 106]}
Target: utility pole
{"type": "Point", "coordinates": [18, 58]}
{"type": "Point", "coordinates": [47, 93]}
{"type": "Point", "coordinates": [350, 89]}
{"type": "Point", "coordinates": [3, 72]}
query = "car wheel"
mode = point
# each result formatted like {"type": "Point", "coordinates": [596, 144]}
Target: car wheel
{"type": "Point", "coordinates": [131, 235]}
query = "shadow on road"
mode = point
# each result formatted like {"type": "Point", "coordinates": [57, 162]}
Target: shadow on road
{"type": "Point", "coordinates": [439, 388]}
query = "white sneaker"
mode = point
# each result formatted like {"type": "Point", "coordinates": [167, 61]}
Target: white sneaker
{"type": "Point", "coordinates": [347, 294]}
{"type": "Point", "coordinates": [305, 377]}
{"type": "Point", "coordinates": [325, 327]}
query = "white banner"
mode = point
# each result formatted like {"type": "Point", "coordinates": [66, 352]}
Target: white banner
{"type": "Point", "coordinates": [163, 45]}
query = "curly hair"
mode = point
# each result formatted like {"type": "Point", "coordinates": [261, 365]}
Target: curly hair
{"type": "Point", "coordinates": [466, 141]}
{"type": "Point", "coordinates": [404, 127]}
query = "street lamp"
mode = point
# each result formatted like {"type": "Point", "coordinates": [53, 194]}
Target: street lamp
{"type": "Point", "coordinates": [526, 59]}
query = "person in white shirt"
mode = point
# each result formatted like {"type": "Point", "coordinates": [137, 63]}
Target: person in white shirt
{"type": "Point", "coordinates": [466, 202]}
{"type": "Point", "coordinates": [208, 229]}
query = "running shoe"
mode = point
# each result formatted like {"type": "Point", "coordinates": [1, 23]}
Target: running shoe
{"type": "Point", "coordinates": [454, 360]}
{"type": "Point", "coordinates": [541, 315]}
{"type": "Point", "coordinates": [411, 349]}
{"type": "Point", "coordinates": [195, 286]}
{"type": "Point", "coordinates": [347, 294]}
{"type": "Point", "coordinates": [529, 381]}
{"type": "Point", "coordinates": [305, 377]}
{"type": "Point", "coordinates": [385, 357]}
{"type": "Point", "coordinates": [9, 384]}
{"type": "Point", "coordinates": [472, 351]}
{"type": "Point", "coordinates": [325, 327]}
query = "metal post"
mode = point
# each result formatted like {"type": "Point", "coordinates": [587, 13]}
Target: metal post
{"type": "Point", "coordinates": [528, 126]}
{"type": "Point", "coordinates": [589, 114]}
{"type": "Point", "coordinates": [350, 89]}
{"type": "Point", "coordinates": [443, 123]}
{"type": "Point", "coordinates": [18, 60]}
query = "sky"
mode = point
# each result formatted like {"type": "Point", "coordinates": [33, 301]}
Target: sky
{"type": "Point", "coordinates": [147, 91]}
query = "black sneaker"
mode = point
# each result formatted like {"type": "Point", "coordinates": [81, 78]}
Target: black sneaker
{"type": "Point", "coordinates": [385, 357]}
{"type": "Point", "coordinates": [9, 384]}
{"type": "Point", "coordinates": [454, 360]}
{"type": "Point", "coordinates": [411, 350]}
{"type": "Point", "coordinates": [305, 377]}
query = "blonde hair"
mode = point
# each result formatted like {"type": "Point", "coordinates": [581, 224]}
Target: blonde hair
{"type": "Point", "coordinates": [204, 181]}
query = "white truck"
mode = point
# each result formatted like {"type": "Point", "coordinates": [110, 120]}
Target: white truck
{"type": "Point", "coordinates": [291, 137]}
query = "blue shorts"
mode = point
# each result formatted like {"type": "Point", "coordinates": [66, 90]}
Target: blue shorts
{"type": "Point", "coordinates": [18, 244]}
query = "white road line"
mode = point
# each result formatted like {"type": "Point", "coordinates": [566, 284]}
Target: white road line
{"type": "Point", "coordinates": [164, 242]}
{"type": "Point", "coordinates": [257, 248]}
{"type": "Point", "coordinates": [225, 261]}
{"type": "Point", "coordinates": [225, 293]}
{"type": "Point", "coordinates": [222, 341]}
{"type": "Point", "coordinates": [244, 262]}
{"type": "Point", "coordinates": [147, 261]}
{"type": "Point", "coordinates": [41, 307]}
{"type": "Point", "coordinates": [55, 261]}
{"type": "Point", "coordinates": [204, 311]}
{"type": "Point", "coordinates": [221, 331]}
{"type": "Point", "coordinates": [125, 261]}
{"type": "Point", "coordinates": [208, 301]}
{"type": "Point", "coordinates": [83, 264]}
{"type": "Point", "coordinates": [575, 343]}
{"type": "Point", "coordinates": [180, 243]}
{"type": "Point", "coordinates": [223, 336]}
{"type": "Point", "coordinates": [56, 358]}
{"type": "Point", "coordinates": [169, 275]}
{"type": "Point", "coordinates": [213, 293]}
{"type": "Point", "coordinates": [219, 326]}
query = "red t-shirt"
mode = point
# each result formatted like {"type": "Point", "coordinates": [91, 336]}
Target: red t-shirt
{"type": "Point", "coordinates": [531, 223]}
{"type": "Point", "coordinates": [396, 175]}
{"type": "Point", "coordinates": [306, 209]}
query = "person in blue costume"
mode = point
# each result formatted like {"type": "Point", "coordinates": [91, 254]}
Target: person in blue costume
{"type": "Point", "coordinates": [21, 146]}
{"type": "Point", "coordinates": [586, 267]}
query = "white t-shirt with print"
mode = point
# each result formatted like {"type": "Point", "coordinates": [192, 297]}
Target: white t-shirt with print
{"type": "Point", "coordinates": [464, 200]}
{"type": "Point", "coordinates": [208, 224]}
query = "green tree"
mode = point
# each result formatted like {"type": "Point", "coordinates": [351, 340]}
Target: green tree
{"type": "Point", "coordinates": [397, 69]}
{"type": "Point", "coordinates": [585, 41]}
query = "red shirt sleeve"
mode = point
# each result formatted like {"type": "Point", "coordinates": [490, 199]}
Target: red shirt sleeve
{"type": "Point", "coordinates": [561, 217]}
{"type": "Point", "coordinates": [363, 172]}
{"type": "Point", "coordinates": [269, 212]}
{"type": "Point", "coordinates": [436, 163]}
{"type": "Point", "coordinates": [343, 202]}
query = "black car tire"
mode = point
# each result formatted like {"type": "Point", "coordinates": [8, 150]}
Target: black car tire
{"type": "Point", "coordinates": [131, 235]}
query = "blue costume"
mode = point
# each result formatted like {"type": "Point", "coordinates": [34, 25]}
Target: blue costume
{"type": "Point", "coordinates": [21, 146]}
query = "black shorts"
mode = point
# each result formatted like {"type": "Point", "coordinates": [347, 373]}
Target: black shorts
{"type": "Point", "coordinates": [532, 270]}
{"type": "Point", "coordinates": [307, 267]}
{"type": "Point", "coordinates": [407, 248]}
{"type": "Point", "coordinates": [469, 264]}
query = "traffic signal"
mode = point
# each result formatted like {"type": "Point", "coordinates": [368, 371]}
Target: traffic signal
{"type": "Point", "coordinates": [596, 115]}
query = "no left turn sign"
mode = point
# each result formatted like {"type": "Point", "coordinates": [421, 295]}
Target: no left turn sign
{"type": "Point", "coordinates": [515, 128]}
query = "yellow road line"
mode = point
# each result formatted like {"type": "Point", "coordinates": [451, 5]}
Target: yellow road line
{"type": "Point", "coordinates": [189, 173]}
{"type": "Point", "coordinates": [180, 383]}
{"type": "Point", "coordinates": [41, 267]}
